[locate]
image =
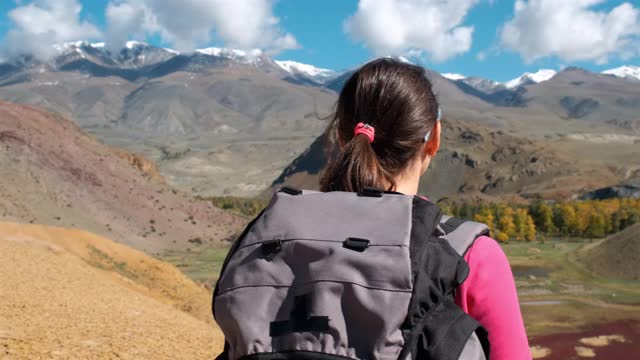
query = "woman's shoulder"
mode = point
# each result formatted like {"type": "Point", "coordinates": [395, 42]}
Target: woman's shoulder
{"type": "Point", "coordinates": [486, 244]}
{"type": "Point", "coordinates": [486, 250]}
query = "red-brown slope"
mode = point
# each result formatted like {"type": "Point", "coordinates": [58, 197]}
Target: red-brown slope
{"type": "Point", "coordinates": [53, 173]}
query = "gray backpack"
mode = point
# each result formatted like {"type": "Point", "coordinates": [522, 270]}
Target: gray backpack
{"type": "Point", "coordinates": [339, 275]}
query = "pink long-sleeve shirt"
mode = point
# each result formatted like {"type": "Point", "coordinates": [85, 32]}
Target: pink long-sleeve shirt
{"type": "Point", "coordinates": [489, 296]}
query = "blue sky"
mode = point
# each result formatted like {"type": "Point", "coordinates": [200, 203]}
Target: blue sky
{"type": "Point", "coordinates": [318, 28]}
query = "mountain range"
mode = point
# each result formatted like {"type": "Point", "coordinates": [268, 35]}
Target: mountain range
{"type": "Point", "coordinates": [140, 55]}
{"type": "Point", "coordinates": [221, 121]}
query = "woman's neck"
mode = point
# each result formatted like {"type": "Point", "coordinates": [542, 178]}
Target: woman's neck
{"type": "Point", "coordinates": [408, 183]}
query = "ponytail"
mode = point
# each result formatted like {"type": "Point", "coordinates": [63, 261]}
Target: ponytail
{"type": "Point", "coordinates": [356, 167]}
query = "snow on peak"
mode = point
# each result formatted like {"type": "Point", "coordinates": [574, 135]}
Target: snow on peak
{"type": "Point", "coordinates": [70, 45]}
{"type": "Point", "coordinates": [528, 78]}
{"type": "Point", "coordinates": [454, 77]}
{"type": "Point", "coordinates": [133, 44]}
{"type": "Point", "coordinates": [626, 71]}
{"type": "Point", "coordinates": [240, 55]}
{"type": "Point", "coordinates": [305, 69]}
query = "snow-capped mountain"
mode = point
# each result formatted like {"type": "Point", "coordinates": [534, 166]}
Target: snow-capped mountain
{"type": "Point", "coordinates": [626, 72]}
{"type": "Point", "coordinates": [481, 84]}
{"type": "Point", "coordinates": [316, 74]}
{"type": "Point", "coordinates": [453, 76]}
{"type": "Point", "coordinates": [490, 86]}
{"type": "Point", "coordinates": [138, 59]}
{"type": "Point", "coordinates": [485, 85]}
{"type": "Point", "coordinates": [243, 56]}
{"type": "Point", "coordinates": [134, 54]}
{"type": "Point", "coordinates": [530, 78]}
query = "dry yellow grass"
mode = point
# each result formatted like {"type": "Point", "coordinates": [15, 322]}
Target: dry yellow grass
{"type": "Point", "coordinates": [71, 294]}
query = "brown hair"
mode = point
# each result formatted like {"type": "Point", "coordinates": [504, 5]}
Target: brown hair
{"type": "Point", "coordinates": [397, 100]}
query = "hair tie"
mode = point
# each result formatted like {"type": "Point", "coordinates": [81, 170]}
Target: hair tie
{"type": "Point", "coordinates": [362, 128]}
{"type": "Point", "coordinates": [427, 136]}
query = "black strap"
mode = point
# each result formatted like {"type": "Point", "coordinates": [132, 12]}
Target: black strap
{"type": "Point", "coordinates": [371, 192]}
{"type": "Point", "coordinates": [224, 355]}
{"type": "Point", "coordinates": [291, 190]}
{"type": "Point", "coordinates": [451, 224]}
{"type": "Point", "coordinates": [313, 324]}
{"type": "Point", "coordinates": [300, 320]}
{"type": "Point", "coordinates": [448, 344]}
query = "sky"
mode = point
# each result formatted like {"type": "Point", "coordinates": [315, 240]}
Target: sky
{"type": "Point", "coordinates": [496, 39]}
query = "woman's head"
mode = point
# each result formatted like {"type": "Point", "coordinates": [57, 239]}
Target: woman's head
{"type": "Point", "coordinates": [397, 100]}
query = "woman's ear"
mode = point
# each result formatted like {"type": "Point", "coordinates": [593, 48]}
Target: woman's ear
{"type": "Point", "coordinates": [432, 146]}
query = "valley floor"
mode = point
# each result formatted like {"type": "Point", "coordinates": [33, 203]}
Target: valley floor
{"type": "Point", "coordinates": [562, 302]}
{"type": "Point", "coordinates": [70, 294]}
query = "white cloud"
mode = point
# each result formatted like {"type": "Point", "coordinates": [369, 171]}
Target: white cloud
{"type": "Point", "coordinates": [242, 24]}
{"type": "Point", "coordinates": [430, 28]}
{"type": "Point", "coordinates": [40, 24]}
{"type": "Point", "coordinates": [573, 30]}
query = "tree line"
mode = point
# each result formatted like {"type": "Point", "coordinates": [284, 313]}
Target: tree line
{"type": "Point", "coordinates": [538, 220]}
{"type": "Point", "coordinates": [542, 219]}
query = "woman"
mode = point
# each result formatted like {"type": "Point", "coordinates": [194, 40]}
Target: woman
{"type": "Point", "coordinates": [387, 128]}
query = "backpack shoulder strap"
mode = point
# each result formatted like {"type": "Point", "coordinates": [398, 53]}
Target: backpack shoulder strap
{"type": "Point", "coordinates": [460, 233]}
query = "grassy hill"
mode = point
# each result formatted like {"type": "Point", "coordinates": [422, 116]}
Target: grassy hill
{"type": "Point", "coordinates": [617, 256]}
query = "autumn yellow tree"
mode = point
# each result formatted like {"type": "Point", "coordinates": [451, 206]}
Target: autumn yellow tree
{"type": "Point", "coordinates": [565, 218]}
{"type": "Point", "coordinates": [505, 224]}
{"type": "Point", "coordinates": [530, 229]}
{"type": "Point", "coordinates": [486, 216]}
{"type": "Point", "coordinates": [543, 217]}
{"type": "Point", "coordinates": [520, 220]}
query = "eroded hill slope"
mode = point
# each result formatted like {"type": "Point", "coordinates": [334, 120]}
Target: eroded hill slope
{"type": "Point", "coordinates": [51, 172]}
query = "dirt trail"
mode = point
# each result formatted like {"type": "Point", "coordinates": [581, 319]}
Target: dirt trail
{"type": "Point", "coordinates": [70, 294]}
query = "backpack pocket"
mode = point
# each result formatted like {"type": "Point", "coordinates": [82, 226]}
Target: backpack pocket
{"type": "Point", "coordinates": [315, 295]}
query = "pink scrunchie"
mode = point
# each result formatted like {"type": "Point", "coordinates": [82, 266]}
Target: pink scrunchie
{"type": "Point", "coordinates": [362, 128]}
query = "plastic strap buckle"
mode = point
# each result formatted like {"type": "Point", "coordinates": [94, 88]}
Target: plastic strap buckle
{"type": "Point", "coordinates": [270, 248]}
{"type": "Point", "coordinates": [356, 244]}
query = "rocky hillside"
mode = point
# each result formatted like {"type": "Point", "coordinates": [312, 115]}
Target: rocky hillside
{"type": "Point", "coordinates": [51, 172]}
{"type": "Point", "coordinates": [477, 161]}
{"type": "Point", "coordinates": [617, 256]}
{"type": "Point", "coordinates": [71, 294]}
